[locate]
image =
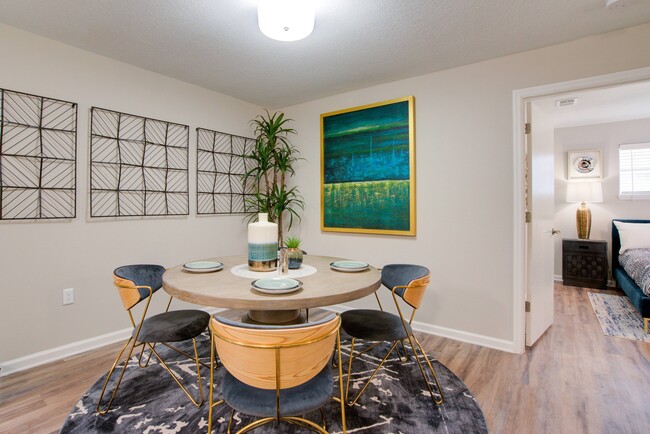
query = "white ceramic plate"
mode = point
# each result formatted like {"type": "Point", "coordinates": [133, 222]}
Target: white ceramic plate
{"type": "Point", "coordinates": [202, 266]}
{"type": "Point", "coordinates": [349, 266]}
{"type": "Point", "coordinates": [278, 285]}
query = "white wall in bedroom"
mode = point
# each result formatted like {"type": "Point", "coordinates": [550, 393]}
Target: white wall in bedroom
{"type": "Point", "coordinates": [38, 260]}
{"type": "Point", "coordinates": [606, 137]}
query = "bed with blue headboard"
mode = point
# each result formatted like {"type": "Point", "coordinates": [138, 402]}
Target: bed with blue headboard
{"type": "Point", "coordinates": [638, 298]}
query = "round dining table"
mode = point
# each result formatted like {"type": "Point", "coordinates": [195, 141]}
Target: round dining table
{"type": "Point", "coordinates": [325, 286]}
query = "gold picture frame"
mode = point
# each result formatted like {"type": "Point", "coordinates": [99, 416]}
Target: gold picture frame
{"type": "Point", "coordinates": [368, 169]}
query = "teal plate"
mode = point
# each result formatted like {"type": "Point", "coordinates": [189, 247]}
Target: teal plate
{"type": "Point", "coordinates": [349, 266]}
{"type": "Point", "coordinates": [202, 266]}
{"type": "Point", "coordinates": [279, 285]}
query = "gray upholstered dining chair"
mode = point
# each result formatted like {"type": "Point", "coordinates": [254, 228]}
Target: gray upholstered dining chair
{"type": "Point", "coordinates": [136, 283]}
{"type": "Point", "coordinates": [406, 282]}
{"type": "Point", "coordinates": [276, 373]}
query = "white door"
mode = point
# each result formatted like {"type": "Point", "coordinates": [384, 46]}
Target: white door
{"type": "Point", "coordinates": [540, 233]}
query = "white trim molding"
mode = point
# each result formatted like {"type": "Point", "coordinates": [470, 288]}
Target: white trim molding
{"type": "Point", "coordinates": [64, 351]}
{"type": "Point", "coordinates": [470, 338]}
{"type": "Point", "coordinates": [519, 99]}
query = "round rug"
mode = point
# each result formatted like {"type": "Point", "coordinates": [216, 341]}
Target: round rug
{"type": "Point", "coordinates": [149, 401]}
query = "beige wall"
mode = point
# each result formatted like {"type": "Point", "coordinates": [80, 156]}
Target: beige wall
{"type": "Point", "coordinates": [606, 137]}
{"type": "Point", "coordinates": [38, 260]}
{"type": "Point", "coordinates": [465, 187]}
{"type": "Point", "coordinates": [465, 177]}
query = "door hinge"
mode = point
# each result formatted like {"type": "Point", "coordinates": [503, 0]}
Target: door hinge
{"type": "Point", "coordinates": [527, 128]}
{"type": "Point", "coordinates": [528, 306]}
{"type": "Point", "coordinates": [528, 217]}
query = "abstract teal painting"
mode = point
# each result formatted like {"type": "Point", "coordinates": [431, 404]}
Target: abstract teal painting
{"type": "Point", "coordinates": [368, 169]}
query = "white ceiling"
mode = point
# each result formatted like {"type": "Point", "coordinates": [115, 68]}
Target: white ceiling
{"type": "Point", "coordinates": [596, 106]}
{"type": "Point", "coordinates": [356, 43]}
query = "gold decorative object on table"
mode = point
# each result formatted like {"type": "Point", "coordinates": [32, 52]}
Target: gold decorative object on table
{"type": "Point", "coordinates": [584, 192]}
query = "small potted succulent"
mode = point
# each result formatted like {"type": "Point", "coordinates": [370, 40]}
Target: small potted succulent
{"type": "Point", "coordinates": [294, 254]}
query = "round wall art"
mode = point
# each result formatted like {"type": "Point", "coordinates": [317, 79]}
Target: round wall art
{"type": "Point", "coordinates": [584, 164]}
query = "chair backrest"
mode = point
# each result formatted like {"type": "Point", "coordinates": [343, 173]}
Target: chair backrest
{"type": "Point", "coordinates": [275, 357]}
{"type": "Point", "coordinates": [129, 277]}
{"type": "Point", "coordinates": [410, 280]}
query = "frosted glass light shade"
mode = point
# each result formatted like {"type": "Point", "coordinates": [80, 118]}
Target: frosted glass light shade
{"type": "Point", "coordinates": [584, 192]}
{"type": "Point", "coordinates": [286, 20]}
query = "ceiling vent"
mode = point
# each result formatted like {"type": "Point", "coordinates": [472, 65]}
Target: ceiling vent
{"type": "Point", "coordinates": [566, 102]}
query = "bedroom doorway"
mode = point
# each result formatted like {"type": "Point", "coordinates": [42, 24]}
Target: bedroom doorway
{"type": "Point", "coordinates": [533, 305]}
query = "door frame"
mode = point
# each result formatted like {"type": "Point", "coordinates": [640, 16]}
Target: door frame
{"type": "Point", "coordinates": [519, 99]}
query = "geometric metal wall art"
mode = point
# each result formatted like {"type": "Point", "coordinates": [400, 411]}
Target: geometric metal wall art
{"type": "Point", "coordinates": [138, 166]}
{"type": "Point", "coordinates": [38, 152]}
{"type": "Point", "coordinates": [221, 164]}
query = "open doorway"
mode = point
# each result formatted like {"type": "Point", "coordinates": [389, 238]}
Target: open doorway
{"type": "Point", "coordinates": [533, 303]}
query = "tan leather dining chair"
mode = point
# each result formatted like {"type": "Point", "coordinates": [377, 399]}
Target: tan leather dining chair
{"type": "Point", "coordinates": [137, 283]}
{"type": "Point", "coordinates": [276, 373]}
{"type": "Point", "coordinates": [407, 283]}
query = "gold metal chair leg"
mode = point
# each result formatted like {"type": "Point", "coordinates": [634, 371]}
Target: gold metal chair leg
{"type": "Point", "coordinates": [433, 372]}
{"type": "Point", "coordinates": [251, 426]}
{"type": "Point", "coordinates": [342, 399]}
{"type": "Point", "coordinates": [360, 352]}
{"type": "Point", "coordinates": [347, 389]}
{"type": "Point", "coordinates": [213, 364]}
{"type": "Point", "coordinates": [142, 353]}
{"type": "Point", "coordinates": [110, 374]}
{"type": "Point", "coordinates": [183, 353]}
{"type": "Point", "coordinates": [404, 358]}
{"type": "Point", "coordinates": [646, 321]}
{"type": "Point", "coordinates": [305, 423]}
{"type": "Point", "coordinates": [198, 374]}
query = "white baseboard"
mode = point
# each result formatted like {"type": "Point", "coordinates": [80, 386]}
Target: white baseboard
{"type": "Point", "coordinates": [64, 351]}
{"type": "Point", "coordinates": [610, 283]}
{"type": "Point", "coordinates": [53, 354]}
{"type": "Point", "coordinates": [470, 338]}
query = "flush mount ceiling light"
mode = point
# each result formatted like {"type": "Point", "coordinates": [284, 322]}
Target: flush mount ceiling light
{"type": "Point", "coordinates": [610, 4]}
{"type": "Point", "coordinates": [286, 20]}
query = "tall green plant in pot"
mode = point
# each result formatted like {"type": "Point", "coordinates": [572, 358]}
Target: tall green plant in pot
{"type": "Point", "coordinates": [273, 158]}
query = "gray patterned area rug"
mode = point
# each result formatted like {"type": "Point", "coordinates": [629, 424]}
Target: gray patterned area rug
{"type": "Point", "coordinates": [618, 317]}
{"type": "Point", "coordinates": [149, 402]}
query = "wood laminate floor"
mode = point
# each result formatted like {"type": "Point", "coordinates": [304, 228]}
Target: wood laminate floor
{"type": "Point", "coordinates": [573, 380]}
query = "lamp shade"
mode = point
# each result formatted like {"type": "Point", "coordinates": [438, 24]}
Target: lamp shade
{"type": "Point", "coordinates": [286, 20]}
{"type": "Point", "coordinates": [584, 192]}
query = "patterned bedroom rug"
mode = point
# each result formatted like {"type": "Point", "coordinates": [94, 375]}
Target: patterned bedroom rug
{"type": "Point", "coordinates": [150, 402]}
{"type": "Point", "coordinates": [618, 317]}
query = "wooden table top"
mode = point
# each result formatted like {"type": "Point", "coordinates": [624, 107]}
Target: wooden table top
{"type": "Point", "coordinates": [224, 289]}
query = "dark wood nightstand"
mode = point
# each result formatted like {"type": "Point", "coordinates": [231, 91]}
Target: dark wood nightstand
{"type": "Point", "coordinates": [584, 263]}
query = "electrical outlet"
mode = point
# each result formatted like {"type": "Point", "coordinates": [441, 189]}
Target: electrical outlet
{"type": "Point", "coordinates": [68, 296]}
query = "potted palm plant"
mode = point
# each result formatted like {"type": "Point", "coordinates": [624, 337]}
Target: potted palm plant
{"type": "Point", "coordinates": [273, 158]}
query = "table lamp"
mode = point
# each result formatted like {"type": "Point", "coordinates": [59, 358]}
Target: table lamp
{"type": "Point", "coordinates": [584, 192]}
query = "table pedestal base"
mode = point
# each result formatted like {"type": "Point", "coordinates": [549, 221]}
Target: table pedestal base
{"type": "Point", "coordinates": [274, 317]}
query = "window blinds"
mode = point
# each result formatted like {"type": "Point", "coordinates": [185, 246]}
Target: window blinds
{"type": "Point", "coordinates": [634, 171]}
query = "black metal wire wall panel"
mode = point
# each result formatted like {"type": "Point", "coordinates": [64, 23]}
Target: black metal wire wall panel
{"type": "Point", "coordinates": [138, 166]}
{"type": "Point", "coordinates": [221, 164]}
{"type": "Point", "coordinates": [38, 157]}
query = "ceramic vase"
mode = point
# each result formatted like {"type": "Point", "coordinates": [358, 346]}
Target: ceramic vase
{"type": "Point", "coordinates": [263, 244]}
